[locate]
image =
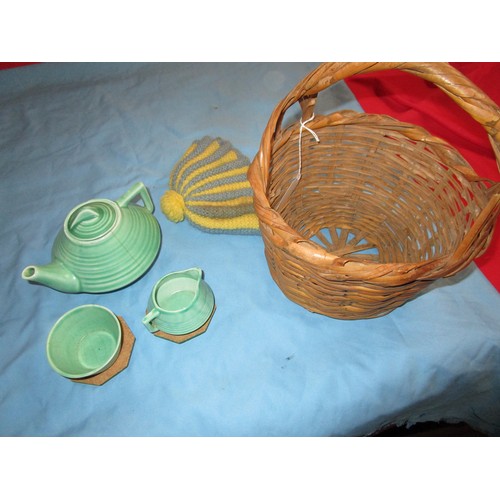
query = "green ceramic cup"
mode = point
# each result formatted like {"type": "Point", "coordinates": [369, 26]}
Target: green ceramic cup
{"type": "Point", "coordinates": [180, 303]}
{"type": "Point", "coordinates": [84, 341]}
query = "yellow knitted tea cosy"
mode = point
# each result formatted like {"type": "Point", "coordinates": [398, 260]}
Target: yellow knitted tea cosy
{"type": "Point", "coordinates": [209, 187]}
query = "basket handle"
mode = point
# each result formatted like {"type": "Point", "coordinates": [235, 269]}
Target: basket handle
{"type": "Point", "coordinates": [458, 87]}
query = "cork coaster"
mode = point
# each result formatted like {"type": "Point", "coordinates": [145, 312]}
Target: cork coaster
{"type": "Point", "coordinates": [179, 339]}
{"type": "Point", "coordinates": [121, 362]}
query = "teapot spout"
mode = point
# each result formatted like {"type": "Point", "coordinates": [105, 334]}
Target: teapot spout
{"type": "Point", "coordinates": [54, 275]}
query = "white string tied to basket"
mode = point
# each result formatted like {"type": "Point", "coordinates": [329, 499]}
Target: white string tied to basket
{"type": "Point", "coordinates": [296, 179]}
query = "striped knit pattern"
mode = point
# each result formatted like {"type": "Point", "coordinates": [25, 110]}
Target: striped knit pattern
{"type": "Point", "coordinates": [209, 187]}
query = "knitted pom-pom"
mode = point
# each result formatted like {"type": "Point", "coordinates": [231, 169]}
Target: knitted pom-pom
{"type": "Point", "coordinates": [172, 205]}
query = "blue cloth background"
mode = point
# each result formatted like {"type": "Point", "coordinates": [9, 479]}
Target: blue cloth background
{"type": "Point", "coordinates": [266, 366]}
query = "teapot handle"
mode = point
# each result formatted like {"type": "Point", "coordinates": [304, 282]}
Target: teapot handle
{"type": "Point", "coordinates": [138, 189]}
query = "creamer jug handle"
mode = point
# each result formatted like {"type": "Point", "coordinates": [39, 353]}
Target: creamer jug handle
{"type": "Point", "coordinates": [138, 189]}
{"type": "Point", "coordinates": [147, 321]}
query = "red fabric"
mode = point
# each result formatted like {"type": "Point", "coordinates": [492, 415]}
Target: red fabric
{"type": "Point", "coordinates": [9, 65]}
{"type": "Point", "coordinates": [411, 99]}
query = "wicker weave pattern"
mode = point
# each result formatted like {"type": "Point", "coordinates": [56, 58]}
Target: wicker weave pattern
{"type": "Point", "coordinates": [382, 207]}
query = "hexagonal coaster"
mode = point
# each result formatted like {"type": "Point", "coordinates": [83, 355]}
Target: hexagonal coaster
{"type": "Point", "coordinates": [179, 339]}
{"type": "Point", "coordinates": [121, 362]}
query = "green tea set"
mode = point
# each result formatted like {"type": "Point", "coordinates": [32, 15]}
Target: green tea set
{"type": "Point", "coordinates": [106, 245]}
{"type": "Point", "coordinates": [103, 246]}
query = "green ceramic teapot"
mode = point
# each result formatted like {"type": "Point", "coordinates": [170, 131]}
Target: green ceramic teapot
{"type": "Point", "coordinates": [104, 245]}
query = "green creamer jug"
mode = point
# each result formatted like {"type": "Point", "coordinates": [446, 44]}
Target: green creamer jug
{"type": "Point", "coordinates": [104, 245]}
{"type": "Point", "coordinates": [180, 303]}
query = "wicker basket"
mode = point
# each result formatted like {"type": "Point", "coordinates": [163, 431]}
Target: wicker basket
{"type": "Point", "coordinates": [382, 208]}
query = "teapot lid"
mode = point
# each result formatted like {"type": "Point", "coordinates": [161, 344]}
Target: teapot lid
{"type": "Point", "coordinates": [91, 220]}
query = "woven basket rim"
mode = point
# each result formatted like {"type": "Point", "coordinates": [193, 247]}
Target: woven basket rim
{"type": "Point", "coordinates": [305, 248]}
{"type": "Point", "coordinates": [279, 231]}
